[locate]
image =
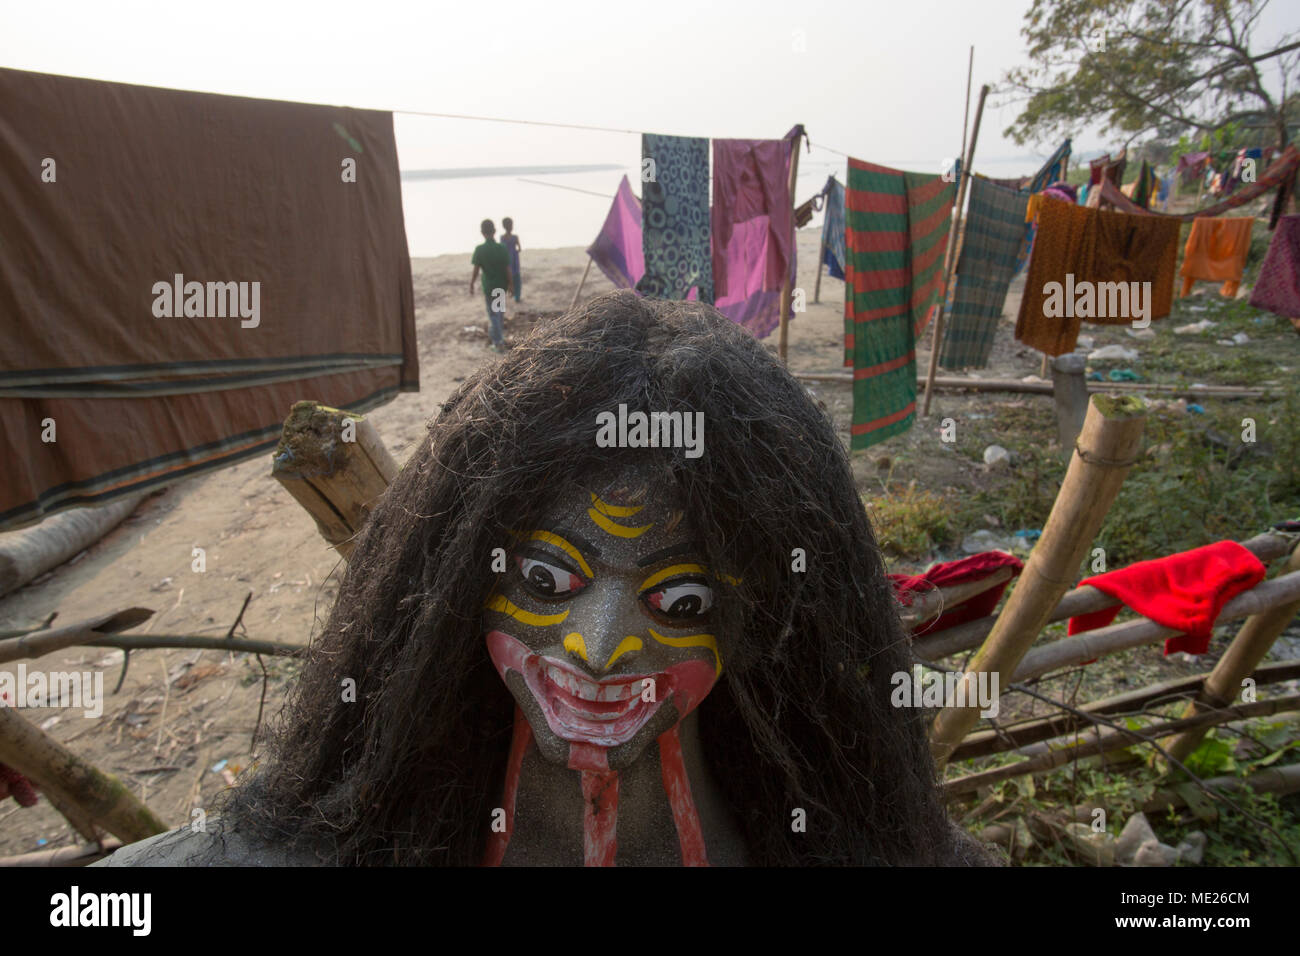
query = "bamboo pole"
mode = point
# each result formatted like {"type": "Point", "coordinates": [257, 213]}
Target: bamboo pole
{"type": "Point", "coordinates": [1045, 388]}
{"type": "Point", "coordinates": [1097, 743]}
{"type": "Point", "coordinates": [821, 263]}
{"type": "Point", "coordinates": [931, 604]}
{"type": "Point", "coordinates": [68, 779]}
{"type": "Point", "coordinates": [1106, 450]}
{"type": "Point", "coordinates": [336, 480]}
{"type": "Point", "coordinates": [783, 339]}
{"type": "Point", "coordinates": [1279, 780]}
{"type": "Point", "coordinates": [1243, 655]}
{"type": "Point", "coordinates": [965, 113]}
{"type": "Point", "coordinates": [64, 856]}
{"type": "Point", "coordinates": [1118, 637]}
{"type": "Point", "coordinates": [950, 256]}
{"type": "Point", "coordinates": [1082, 600]}
{"type": "Point", "coordinates": [578, 291]}
{"type": "Point", "coordinates": [985, 742]}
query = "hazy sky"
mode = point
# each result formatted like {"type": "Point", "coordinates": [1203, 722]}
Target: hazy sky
{"type": "Point", "coordinates": [883, 80]}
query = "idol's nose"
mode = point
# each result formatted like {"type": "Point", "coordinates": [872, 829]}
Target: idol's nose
{"type": "Point", "coordinates": [607, 631]}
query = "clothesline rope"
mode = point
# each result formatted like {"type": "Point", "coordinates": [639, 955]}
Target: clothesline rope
{"type": "Point", "coordinates": [583, 126]}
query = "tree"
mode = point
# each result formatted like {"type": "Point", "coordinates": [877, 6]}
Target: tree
{"type": "Point", "coordinates": [1166, 67]}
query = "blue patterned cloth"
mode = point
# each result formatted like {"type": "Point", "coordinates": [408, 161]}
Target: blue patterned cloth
{"type": "Point", "coordinates": [833, 227]}
{"type": "Point", "coordinates": [675, 218]}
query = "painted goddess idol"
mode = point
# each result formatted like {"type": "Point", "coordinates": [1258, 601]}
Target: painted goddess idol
{"type": "Point", "coordinates": [567, 653]}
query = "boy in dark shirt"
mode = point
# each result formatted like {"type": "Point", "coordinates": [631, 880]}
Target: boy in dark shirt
{"type": "Point", "coordinates": [511, 242]}
{"type": "Point", "coordinates": [491, 257]}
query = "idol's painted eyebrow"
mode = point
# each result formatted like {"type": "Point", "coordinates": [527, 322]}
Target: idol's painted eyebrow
{"type": "Point", "coordinates": [583, 545]}
{"type": "Point", "coordinates": [686, 547]}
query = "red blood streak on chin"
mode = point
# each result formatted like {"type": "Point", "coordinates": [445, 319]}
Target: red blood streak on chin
{"type": "Point", "coordinates": [677, 786]}
{"type": "Point", "coordinates": [599, 817]}
{"type": "Point", "coordinates": [599, 803]}
{"type": "Point", "coordinates": [522, 737]}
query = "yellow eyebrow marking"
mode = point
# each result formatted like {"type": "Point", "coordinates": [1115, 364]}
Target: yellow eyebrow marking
{"type": "Point", "coordinates": [614, 511]}
{"type": "Point", "coordinates": [574, 644]}
{"type": "Point", "coordinates": [499, 602]}
{"type": "Point", "coordinates": [673, 571]}
{"type": "Point", "coordinates": [627, 644]}
{"type": "Point", "coordinates": [693, 640]}
{"type": "Point", "coordinates": [551, 537]}
{"type": "Point", "coordinates": [728, 579]}
{"type": "Point", "coordinates": [618, 530]}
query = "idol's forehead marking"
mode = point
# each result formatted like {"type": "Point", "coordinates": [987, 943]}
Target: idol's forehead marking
{"type": "Point", "coordinates": [602, 515]}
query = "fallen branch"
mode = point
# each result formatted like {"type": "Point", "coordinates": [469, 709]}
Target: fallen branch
{"type": "Point", "coordinates": [39, 643]}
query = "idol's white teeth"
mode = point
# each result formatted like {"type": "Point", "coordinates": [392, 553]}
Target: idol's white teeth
{"type": "Point", "coordinates": [606, 691]}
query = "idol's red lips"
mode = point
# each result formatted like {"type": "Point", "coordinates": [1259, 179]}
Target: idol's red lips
{"type": "Point", "coordinates": [604, 713]}
{"type": "Point", "coordinates": [579, 709]}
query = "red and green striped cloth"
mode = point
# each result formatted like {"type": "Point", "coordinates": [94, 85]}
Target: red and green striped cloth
{"type": "Point", "coordinates": [896, 231]}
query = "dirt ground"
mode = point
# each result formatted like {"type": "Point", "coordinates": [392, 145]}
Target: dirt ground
{"type": "Point", "coordinates": [181, 727]}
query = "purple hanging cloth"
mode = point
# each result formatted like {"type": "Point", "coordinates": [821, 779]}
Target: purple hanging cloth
{"type": "Point", "coordinates": [617, 250]}
{"type": "Point", "coordinates": [753, 229]}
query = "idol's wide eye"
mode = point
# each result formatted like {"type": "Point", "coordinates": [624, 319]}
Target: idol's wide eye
{"type": "Point", "coordinates": [682, 600]}
{"type": "Point", "coordinates": [548, 580]}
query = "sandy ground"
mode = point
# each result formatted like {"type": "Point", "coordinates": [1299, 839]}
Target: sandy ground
{"type": "Point", "coordinates": [181, 726]}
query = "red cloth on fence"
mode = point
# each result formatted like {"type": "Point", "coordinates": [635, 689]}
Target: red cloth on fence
{"type": "Point", "coordinates": [1184, 592]}
{"type": "Point", "coordinates": [956, 572]}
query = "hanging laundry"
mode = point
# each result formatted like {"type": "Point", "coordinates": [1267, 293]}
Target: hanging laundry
{"type": "Point", "coordinates": [1053, 170]}
{"type": "Point", "coordinates": [995, 227]}
{"type": "Point", "coordinates": [1078, 253]}
{"type": "Point", "coordinates": [617, 250]}
{"type": "Point", "coordinates": [675, 218]}
{"type": "Point", "coordinates": [1096, 167]}
{"type": "Point", "coordinates": [897, 227]}
{"type": "Point", "coordinates": [1165, 189]}
{"type": "Point", "coordinates": [1278, 286]}
{"type": "Point", "coordinates": [1278, 176]}
{"type": "Point", "coordinates": [1144, 187]}
{"type": "Point", "coordinates": [1191, 166]}
{"type": "Point", "coordinates": [833, 228]}
{"type": "Point", "coordinates": [1184, 592]}
{"type": "Point", "coordinates": [753, 229]}
{"type": "Point", "coordinates": [1216, 251]}
{"type": "Point", "coordinates": [194, 265]}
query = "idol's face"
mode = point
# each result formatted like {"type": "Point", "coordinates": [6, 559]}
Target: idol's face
{"type": "Point", "coordinates": [600, 627]}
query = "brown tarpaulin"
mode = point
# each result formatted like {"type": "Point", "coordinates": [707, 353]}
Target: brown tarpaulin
{"type": "Point", "coordinates": [110, 192]}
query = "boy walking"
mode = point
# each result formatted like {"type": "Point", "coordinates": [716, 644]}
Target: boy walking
{"type": "Point", "coordinates": [511, 242]}
{"type": "Point", "coordinates": [491, 257]}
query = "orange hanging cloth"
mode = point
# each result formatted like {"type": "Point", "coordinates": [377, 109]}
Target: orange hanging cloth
{"type": "Point", "coordinates": [1216, 251]}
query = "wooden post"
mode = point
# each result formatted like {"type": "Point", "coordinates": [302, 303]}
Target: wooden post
{"type": "Point", "coordinates": [336, 479]}
{"type": "Point", "coordinates": [821, 261]}
{"type": "Point", "coordinates": [71, 782]}
{"type": "Point", "coordinates": [783, 339]}
{"type": "Point", "coordinates": [950, 256]}
{"type": "Point", "coordinates": [1106, 449]}
{"type": "Point", "coordinates": [1243, 655]}
{"type": "Point", "coordinates": [1070, 389]}
{"type": "Point", "coordinates": [578, 291]}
